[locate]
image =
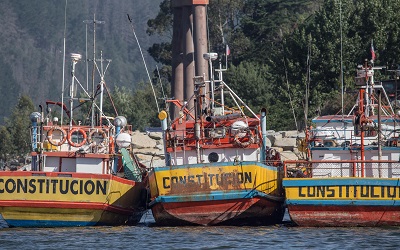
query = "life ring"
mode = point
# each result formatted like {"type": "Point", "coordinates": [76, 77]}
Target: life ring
{"type": "Point", "coordinates": [246, 143]}
{"type": "Point", "coordinates": [82, 132]}
{"type": "Point", "coordinates": [100, 132]}
{"type": "Point", "coordinates": [50, 136]}
{"type": "Point", "coordinates": [273, 156]}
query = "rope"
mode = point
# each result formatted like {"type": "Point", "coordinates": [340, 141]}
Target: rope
{"type": "Point", "coordinates": [334, 115]}
{"type": "Point", "coordinates": [144, 61]}
{"type": "Point", "coordinates": [232, 109]}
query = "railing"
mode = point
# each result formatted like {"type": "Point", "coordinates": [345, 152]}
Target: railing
{"type": "Point", "coordinates": [344, 137]}
{"type": "Point", "coordinates": [56, 138]}
{"type": "Point", "coordinates": [218, 135]}
{"type": "Point", "coordinates": [342, 168]}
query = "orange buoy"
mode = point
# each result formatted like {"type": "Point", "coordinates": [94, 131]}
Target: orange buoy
{"type": "Point", "coordinates": [74, 130]}
{"type": "Point", "coordinates": [50, 136]}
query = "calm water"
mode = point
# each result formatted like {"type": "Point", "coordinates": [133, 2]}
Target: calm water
{"type": "Point", "coordinates": [147, 235]}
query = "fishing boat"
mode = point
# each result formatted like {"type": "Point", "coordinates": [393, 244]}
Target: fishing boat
{"type": "Point", "coordinates": [82, 173]}
{"type": "Point", "coordinates": [218, 169]}
{"type": "Point", "coordinates": [351, 174]}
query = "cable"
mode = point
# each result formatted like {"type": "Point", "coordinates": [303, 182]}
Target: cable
{"type": "Point", "coordinates": [144, 61]}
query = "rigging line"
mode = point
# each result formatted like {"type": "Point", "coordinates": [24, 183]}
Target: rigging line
{"type": "Point", "coordinates": [144, 61]}
{"type": "Point", "coordinates": [287, 83]}
{"type": "Point", "coordinates": [336, 115]}
{"type": "Point", "coordinates": [111, 100]}
{"type": "Point", "coordinates": [159, 79]}
{"type": "Point", "coordinates": [63, 71]}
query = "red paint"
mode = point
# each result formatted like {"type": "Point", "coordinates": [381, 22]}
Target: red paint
{"type": "Point", "coordinates": [338, 216]}
{"type": "Point", "coordinates": [254, 211]}
{"type": "Point", "coordinates": [72, 175]}
{"type": "Point", "coordinates": [67, 205]}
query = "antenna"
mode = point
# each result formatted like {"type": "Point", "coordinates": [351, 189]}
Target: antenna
{"type": "Point", "coordinates": [94, 21]}
{"type": "Point", "coordinates": [102, 73]}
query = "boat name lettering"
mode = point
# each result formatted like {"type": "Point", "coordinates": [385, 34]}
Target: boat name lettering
{"type": "Point", "coordinates": [349, 191]}
{"type": "Point", "coordinates": [211, 179]}
{"type": "Point", "coordinates": [53, 186]}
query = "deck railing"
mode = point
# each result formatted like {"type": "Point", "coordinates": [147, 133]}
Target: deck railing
{"type": "Point", "coordinates": [342, 168]}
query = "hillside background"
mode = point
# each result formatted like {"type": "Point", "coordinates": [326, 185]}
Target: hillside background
{"type": "Point", "coordinates": [31, 45]}
{"type": "Point", "coordinates": [285, 54]}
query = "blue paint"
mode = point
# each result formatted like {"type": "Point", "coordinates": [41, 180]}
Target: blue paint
{"type": "Point", "coordinates": [348, 202]}
{"type": "Point", "coordinates": [215, 165]}
{"type": "Point", "coordinates": [34, 136]}
{"type": "Point", "coordinates": [211, 196]}
{"type": "Point", "coordinates": [303, 182]}
{"type": "Point", "coordinates": [366, 148]}
{"type": "Point", "coordinates": [48, 223]}
{"type": "Point", "coordinates": [350, 121]}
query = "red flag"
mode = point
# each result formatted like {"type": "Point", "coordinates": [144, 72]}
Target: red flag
{"type": "Point", "coordinates": [373, 56]}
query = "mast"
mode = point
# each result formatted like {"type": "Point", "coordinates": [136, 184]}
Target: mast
{"type": "Point", "coordinates": [341, 61]}
{"type": "Point", "coordinates": [102, 83]}
{"type": "Point", "coordinates": [379, 132]}
{"type": "Point", "coordinates": [63, 71]}
{"type": "Point", "coordinates": [75, 58]}
{"type": "Point", "coordinates": [94, 65]}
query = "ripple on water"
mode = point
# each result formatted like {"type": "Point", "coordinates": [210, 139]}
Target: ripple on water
{"type": "Point", "coordinates": [146, 235]}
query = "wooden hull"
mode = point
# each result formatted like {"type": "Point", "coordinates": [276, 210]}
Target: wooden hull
{"type": "Point", "coordinates": [54, 199]}
{"type": "Point", "coordinates": [216, 194]}
{"type": "Point", "coordinates": [343, 201]}
{"type": "Point", "coordinates": [344, 216]}
{"type": "Point", "coordinates": [235, 212]}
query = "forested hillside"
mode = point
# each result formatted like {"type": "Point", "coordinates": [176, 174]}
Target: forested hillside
{"type": "Point", "coordinates": [31, 44]}
{"type": "Point", "coordinates": [286, 54]}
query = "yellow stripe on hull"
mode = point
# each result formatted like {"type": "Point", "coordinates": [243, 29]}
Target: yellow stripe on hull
{"type": "Point", "coordinates": [31, 201]}
{"type": "Point", "coordinates": [104, 190]}
{"type": "Point", "coordinates": [204, 178]}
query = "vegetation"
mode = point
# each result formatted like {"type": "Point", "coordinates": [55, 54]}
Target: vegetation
{"type": "Point", "coordinates": [15, 135]}
{"type": "Point", "coordinates": [284, 54]}
{"type": "Point", "coordinates": [282, 50]}
{"type": "Point", "coordinates": [31, 45]}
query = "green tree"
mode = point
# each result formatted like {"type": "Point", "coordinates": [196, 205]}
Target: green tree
{"type": "Point", "coordinates": [5, 143]}
{"type": "Point", "coordinates": [251, 81]}
{"type": "Point", "coordinates": [298, 46]}
{"type": "Point", "coordinates": [138, 106]}
{"type": "Point", "coordinates": [314, 49]}
{"type": "Point", "coordinates": [17, 127]}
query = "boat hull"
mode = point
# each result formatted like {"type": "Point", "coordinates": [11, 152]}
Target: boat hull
{"type": "Point", "coordinates": [216, 194]}
{"type": "Point", "coordinates": [236, 212]}
{"type": "Point", "coordinates": [343, 201]}
{"type": "Point", "coordinates": [40, 199]}
{"type": "Point", "coordinates": [344, 216]}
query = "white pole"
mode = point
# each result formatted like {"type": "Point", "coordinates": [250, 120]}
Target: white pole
{"type": "Point", "coordinates": [63, 71]}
